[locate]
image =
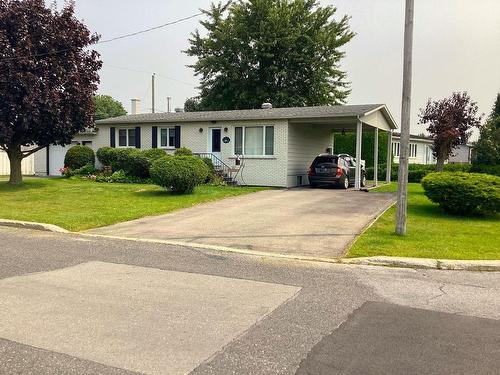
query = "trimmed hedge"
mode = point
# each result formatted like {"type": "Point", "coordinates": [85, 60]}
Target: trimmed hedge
{"type": "Point", "coordinates": [489, 169]}
{"type": "Point", "coordinates": [105, 155]}
{"type": "Point", "coordinates": [180, 174]}
{"type": "Point", "coordinates": [416, 171]}
{"type": "Point", "coordinates": [463, 193]}
{"type": "Point", "coordinates": [79, 156]}
{"type": "Point", "coordinates": [154, 154]}
{"type": "Point", "coordinates": [183, 151]}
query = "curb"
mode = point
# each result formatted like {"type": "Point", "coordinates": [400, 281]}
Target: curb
{"type": "Point", "coordinates": [426, 263]}
{"type": "Point", "coordinates": [384, 261]}
{"type": "Point", "coordinates": [32, 225]}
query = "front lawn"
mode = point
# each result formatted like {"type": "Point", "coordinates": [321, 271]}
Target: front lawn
{"type": "Point", "coordinates": [431, 233]}
{"type": "Point", "coordinates": [77, 205]}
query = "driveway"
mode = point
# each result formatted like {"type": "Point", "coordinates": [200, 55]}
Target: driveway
{"type": "Point", "coordinates": [318, 223]}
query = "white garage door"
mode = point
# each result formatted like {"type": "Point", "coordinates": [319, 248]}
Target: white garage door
{"type": "Point", "coordinates": [56, 159]}
{"type": "Point", "coordinates": [27, 165]}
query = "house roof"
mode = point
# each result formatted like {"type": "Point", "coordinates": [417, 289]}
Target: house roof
{"type": "Point", "coordinates": [413, 136]}
{"type": "Point", "coordinates": [317, 112]}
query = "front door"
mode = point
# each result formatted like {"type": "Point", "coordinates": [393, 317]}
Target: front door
{"type": "Point", "coordinates": [214, 141]}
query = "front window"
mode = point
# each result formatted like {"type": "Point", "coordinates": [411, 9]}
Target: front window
{"type": "Point", "coordinates": [395, 149]}
{"type": "Point", "coordinates": [254, 140]}
{"type": "Point", "coordinates": [126, 137]}
{"type": "Point", "coordinates": [413, 150]}
{"type": "Point", "coordinates": [167, 137]}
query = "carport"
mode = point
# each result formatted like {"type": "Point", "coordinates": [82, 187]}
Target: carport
{"type": "Point", "coordinates": [356, 119]}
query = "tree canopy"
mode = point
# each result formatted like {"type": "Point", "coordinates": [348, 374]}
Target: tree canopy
{"type": "Point", "coordinates": [488, 146]}
{"type": "Point", "coordinates": [48, 77]}
{"type": "Point", "coordinates": [450, 122]}
{"type": "Point", "coordinates": [106, 107]}
{"type": "Point", "coordinates": [287, 52]}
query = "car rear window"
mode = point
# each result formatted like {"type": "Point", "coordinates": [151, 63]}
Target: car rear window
{"type": "Point", "coordinates": [325, 159]}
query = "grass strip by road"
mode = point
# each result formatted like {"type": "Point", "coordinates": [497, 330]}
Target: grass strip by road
{"type": "Point", "coordinates": [431, 233]}
{"type": "Point", "coordinates": [77, 205]}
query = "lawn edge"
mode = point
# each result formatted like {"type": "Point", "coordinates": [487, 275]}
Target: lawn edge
{"type": "Point", "coordinates": [32, 225]}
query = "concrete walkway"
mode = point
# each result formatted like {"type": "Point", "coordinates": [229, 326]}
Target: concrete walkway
{"type": "Point", "coordinates": [318, 223]}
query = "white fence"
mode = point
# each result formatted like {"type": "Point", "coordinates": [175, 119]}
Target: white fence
{"type": "Point", "coordinates": [27, 166]}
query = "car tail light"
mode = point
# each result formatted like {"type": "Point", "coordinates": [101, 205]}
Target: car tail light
{"type": "Point", "coordinates": [310, 171]}
{"type": "Point", "coordinates": [339, 172]}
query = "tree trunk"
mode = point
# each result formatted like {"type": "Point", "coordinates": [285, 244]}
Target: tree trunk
{"type": "Point", "coordinates": [440, 161]}
{"type": "Point", "coordinates": [15, 157]}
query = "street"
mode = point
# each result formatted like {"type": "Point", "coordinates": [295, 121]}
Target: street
{"type": "Point", "coordinates": [76, 304]}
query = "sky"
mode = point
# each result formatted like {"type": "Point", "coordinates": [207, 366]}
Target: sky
{"type": "Point", "coordinates": [456, 48]}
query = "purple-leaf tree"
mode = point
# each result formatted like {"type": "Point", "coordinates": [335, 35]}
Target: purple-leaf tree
{"type": "Point", "coordinates": [450, 122]}
{"type": "Point", "coordinates": [48, 78]}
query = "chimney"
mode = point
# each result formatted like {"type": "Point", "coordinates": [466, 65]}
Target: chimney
{"type": "Point", "coordinates": [136, 106]}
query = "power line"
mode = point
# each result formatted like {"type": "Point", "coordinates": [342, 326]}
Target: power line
{"type": "Point", "coordinates": [107, 40]}
{"type": "Point", "coordinates": [150, 72]}
{"type": "Point", "coordinates": [150, 29]}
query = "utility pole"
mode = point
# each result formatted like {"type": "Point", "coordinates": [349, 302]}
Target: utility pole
{"type": "Point", "coordinates": [153, 93]}
{"type": "Point", "coordinates": [168, 103]}
{"type": "Point", "coordinates": [402, 196]}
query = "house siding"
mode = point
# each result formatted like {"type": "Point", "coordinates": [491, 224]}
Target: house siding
{"type": "Point", "coordinates": [259, 171]}
{"type": "Point", "coordinates": [421, 157]}
{"type": "Point", "coordinates": [304, 143]}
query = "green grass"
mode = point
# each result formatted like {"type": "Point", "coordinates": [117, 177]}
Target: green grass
{"type": "Point", "coordinates": [431, 233]}
{"type": "Point", "coordinates": [77, 205]}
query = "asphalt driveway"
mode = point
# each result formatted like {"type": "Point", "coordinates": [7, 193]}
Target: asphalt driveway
{"type": "Point", "coordinates": [317, 223]}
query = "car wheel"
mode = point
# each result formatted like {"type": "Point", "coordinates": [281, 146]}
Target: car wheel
{"type": "Point", "coordinates": [363, 179]}
{"type": "Point", "coordinates": [345, 182]}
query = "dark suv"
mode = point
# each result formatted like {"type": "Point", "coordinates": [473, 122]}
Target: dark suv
{"type": "Point", "coordinates": [327, 169]}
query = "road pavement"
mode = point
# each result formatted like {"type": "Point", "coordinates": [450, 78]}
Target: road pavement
{"type": "Point", "coordinates": [71, 304]}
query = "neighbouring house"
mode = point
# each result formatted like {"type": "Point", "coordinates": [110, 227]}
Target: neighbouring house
{"type": "Point", "coordinates": [274, 146]}
{"type": "Point", "coordinates": [421, 151]}
{"type": "Point", "coordinates": [27, 165]}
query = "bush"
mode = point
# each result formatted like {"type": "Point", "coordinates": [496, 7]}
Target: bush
{"type": "Point", "coordinates": [105, 155]}
{"type": "Point", "coordinates": [180, 174]}
{"type": "Point", "coordinates": [183, 151]}
{"type": "Point", "coordinates": [489, 169]}
{"type": "Point", "coordinates": [79, 156]}
{"type": "Point", "coordinates": [417, 175]}
{"type": "Point", "coordinates": [122, 177]}
{"type": "Point", "coordinates": [154, 154]}
{"type": "Point", "coordinates": [463, 193]}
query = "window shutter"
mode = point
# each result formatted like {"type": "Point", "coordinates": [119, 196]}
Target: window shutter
{"type": "Point", "coordinates": [177, 137]}
{"type": "Point", "coordinates": [112, 139]}
{"type": "Point", "coordinates": [137, 137]}
{"type": "Point", "coordinates": [154, 135]}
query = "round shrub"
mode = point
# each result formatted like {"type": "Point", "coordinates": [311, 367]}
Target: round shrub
{"type": "Point", "coordinates": [105, 155]}
{"type": "Point", "coordinates": [132, 161]}
{"type": "Point", "coordinates": [416, 175]}
{"type": "Point", "coordinates": [183, 151]}
{"type": "Point", "coordinates": [79, 156]}
{"type": "Point", "coordinates": [181, 175]}
{"type": "Point", "coordinates": [154, 154]}
{"type": "Point", "coordinates": [463, 193]}
{"type": "Point", "coordinates": [200, 167]}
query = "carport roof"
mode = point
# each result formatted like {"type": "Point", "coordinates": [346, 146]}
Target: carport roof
{"type": "Point", "coordinates": [293, 113]}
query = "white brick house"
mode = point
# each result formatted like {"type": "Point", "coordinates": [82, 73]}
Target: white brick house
{"type": "Point", "coordinates": [421, 151]}
{"type": "Point", "coordinates": [276, 146]}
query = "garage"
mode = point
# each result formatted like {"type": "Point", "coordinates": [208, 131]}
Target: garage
{"type": "Point", "coordinates": [56, 159]}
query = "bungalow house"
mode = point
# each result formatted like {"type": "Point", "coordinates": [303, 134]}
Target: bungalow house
{"type": "Point", "coordinates": [273, 146]}
{"type": "Point", "coordinates": [421, 151]}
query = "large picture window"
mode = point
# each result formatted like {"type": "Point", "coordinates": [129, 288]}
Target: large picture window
{"type": "Point", "coordinates": [167, 137]}
{"type": "Point", "coordinates": [254, 140]}
{"type": "Point", "coordinates": [126, 137]}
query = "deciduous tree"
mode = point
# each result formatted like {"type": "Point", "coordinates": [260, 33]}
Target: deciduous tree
{"type": "Point", "coordinates": [287, 52]}
{"type": "Point", "coordinates": [47, 78]}
{"type": "Point", "coordinates": [106, 107]}
{"type": "Point", "coordinates": [450, 122]}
